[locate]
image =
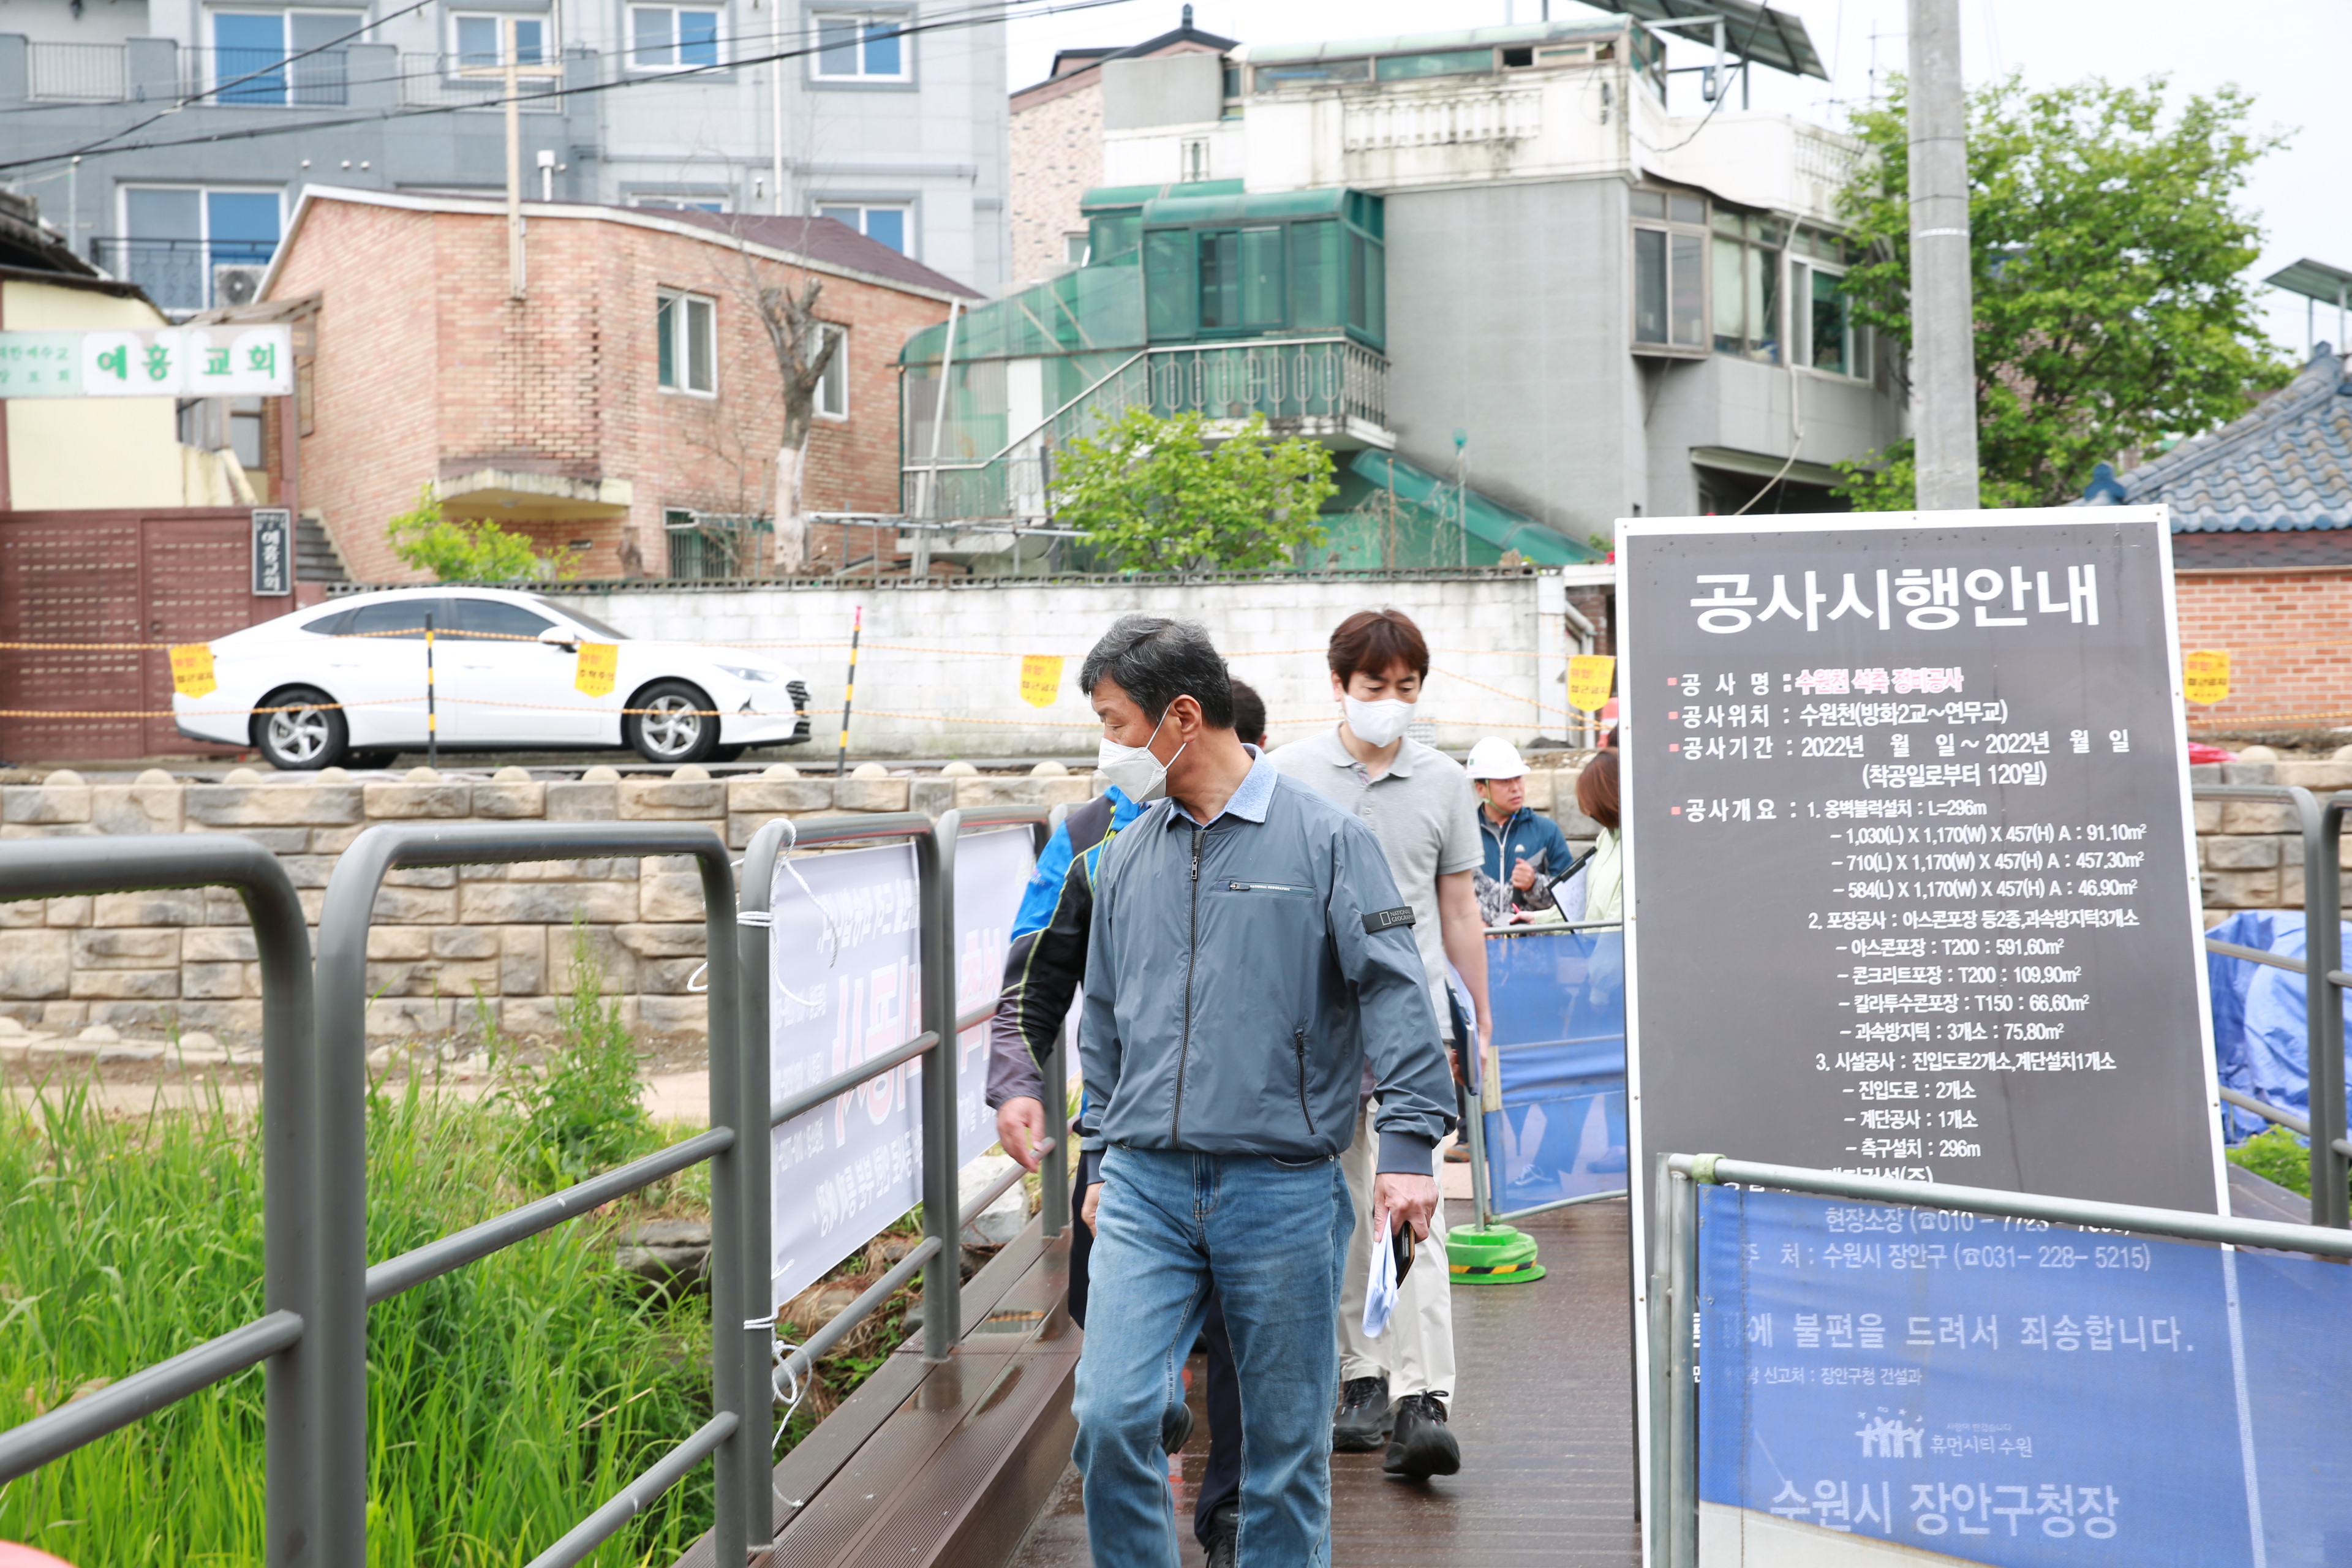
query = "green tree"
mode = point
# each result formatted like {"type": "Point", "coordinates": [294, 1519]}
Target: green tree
{"type": "Point", "coordinates": [2109, 257]}
{"type": "Point", "coordinates": [1153, 496]}
{"type": "Point", "coordinates": [462, 551]}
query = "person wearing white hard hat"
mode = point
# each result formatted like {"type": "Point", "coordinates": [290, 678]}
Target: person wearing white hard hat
{"type": "Point", "coordinates": [1524, 848]}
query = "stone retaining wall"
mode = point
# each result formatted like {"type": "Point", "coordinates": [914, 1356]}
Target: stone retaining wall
{"type": "Point", "coordinates": [2249, 853]}
{"type": "Point", "coordinates": [450, 947]}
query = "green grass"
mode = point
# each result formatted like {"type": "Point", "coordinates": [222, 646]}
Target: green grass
{"type": "Point", "coordinates": [504, 1401]}
{"type": "Point", "coordinates": [2277, 1155]}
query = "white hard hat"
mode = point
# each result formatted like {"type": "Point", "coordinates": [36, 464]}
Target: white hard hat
{"type": "Point", "coordinates": [1495, 758]}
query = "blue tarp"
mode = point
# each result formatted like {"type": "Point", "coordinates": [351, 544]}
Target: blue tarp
{"type": "Point", "coordinates": [2261, 1039]}
{"type": "Point", "coordinates": [1559, 1000]}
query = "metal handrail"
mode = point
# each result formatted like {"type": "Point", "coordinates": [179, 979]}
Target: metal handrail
{"type": "Point", "coordinates": [62, 867]}
{"type": "Point", "coordinates": [1675, 1279]}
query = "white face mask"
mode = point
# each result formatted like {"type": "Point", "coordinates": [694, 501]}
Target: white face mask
{"type": "Point", "coordinates": [1133, 770]}
{"type": "Point", "coordinates": [1377, 724]}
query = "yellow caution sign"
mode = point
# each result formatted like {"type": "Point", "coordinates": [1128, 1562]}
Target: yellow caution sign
{"type": "Point", "coordinates": [1041, 679]}
{"type": "Point", "coordinates": [1590, 677]}
{"type": "Point", "coordinates": [192, 669]}
{"type": "Point", "coordinates": [600, 663]}
{"type": "Point", "coordinates": [2205, 677]}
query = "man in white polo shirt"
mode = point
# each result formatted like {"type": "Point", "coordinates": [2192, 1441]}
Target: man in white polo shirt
{"type": "Point", "coordinates": [1418, 805]}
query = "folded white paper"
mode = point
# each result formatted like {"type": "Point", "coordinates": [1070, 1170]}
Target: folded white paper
{"type": "Point", "coordinates": [1380, 1288]}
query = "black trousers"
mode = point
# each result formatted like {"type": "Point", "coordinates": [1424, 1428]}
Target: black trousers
{"type": "Point", "coordinates": [1222, 1482]}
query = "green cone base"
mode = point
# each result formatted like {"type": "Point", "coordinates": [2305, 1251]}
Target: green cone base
{"type": "Point", "coordinates": [1497, 1255]}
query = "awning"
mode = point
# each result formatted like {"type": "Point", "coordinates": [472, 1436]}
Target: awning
{"type": "Point", "coordinates": [1485, 518]}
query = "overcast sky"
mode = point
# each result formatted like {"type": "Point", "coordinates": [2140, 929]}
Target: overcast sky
{"type": "Point", "coordinates": [2288, 53]}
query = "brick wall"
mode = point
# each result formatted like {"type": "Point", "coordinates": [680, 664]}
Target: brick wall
{"type": "Point", "coordinates": [427, 370]}
{"type": "Point", "coordinates": [2290, 656]}
{"type": "Point", "coordinates": [441, 937]}
{"type": "Point", "coordinates": [1057, 156]}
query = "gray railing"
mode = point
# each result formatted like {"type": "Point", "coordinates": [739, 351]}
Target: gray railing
{"type": "Point", "coordinates": [317, 1282]}
{"type": "Point", "coordinates": [1282, 378]}
{"type": "Point", "coordinates": [2321, 826]}
{"type": "Point", "coordinates": [87, 73]}
{"type": "Point", "coordinates": [1674, 1303]}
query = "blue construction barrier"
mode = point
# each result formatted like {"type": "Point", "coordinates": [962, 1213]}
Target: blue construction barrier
{"type": "Point", "coordinates": [2261, 1039]}
{"type": "Point", "coordinates": [2010, 1393]}
{"type": "Point", "coordinates": [1558, 1001]}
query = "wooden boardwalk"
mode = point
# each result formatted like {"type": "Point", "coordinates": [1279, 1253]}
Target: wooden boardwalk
{"type": "Point", "coordinates": [1546, 1423]}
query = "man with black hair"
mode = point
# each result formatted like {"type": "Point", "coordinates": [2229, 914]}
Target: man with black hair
{"type": "Point", "coordinates": [1249, 953]}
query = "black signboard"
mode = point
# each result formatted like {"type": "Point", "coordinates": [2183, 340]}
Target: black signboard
{"type": "Point", "coordinates": [273, 550]}
{"type": "Point", "coordinates": [1909, 862]}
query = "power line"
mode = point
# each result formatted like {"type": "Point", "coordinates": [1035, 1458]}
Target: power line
{"type": "Point", "coordinates": [976, 18]}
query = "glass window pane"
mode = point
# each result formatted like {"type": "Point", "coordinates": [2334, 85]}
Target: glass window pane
{"type": "Point", "coordinates": [698, 37]}
{"type": "Point", "coordinates": [1220, 280]}
{"type": "Point", "coordinates": [1864, 340]}
{"type": "Point", "coordinates": [882, 43]}
{"type": "Point", "coordinates": [700, 347]}
{"type": "Point", "coordinates": [853, 216]}
{"type": "Point", "coordinates": [832, 393]}
{"type": "Point", "coordinates": [531, 41]}
{"type": "Point", "coordinates": [397, 619]}
{"type": "Point", "coordinates": [1730, 298]}
{"type": "Point", "coordinates": [1449, 62]}
{"type": "Point", "coordinates": [1764, 305]}
{"type": "Point", "coordinates": [1261, 276]}
{"type": "Point", "coordinates": [887, 226]}
{"type": "Point", "coordinates": [665, 336]}
{"type": "Point", "coordinates": [248, 55]}
{"type": "Point", "coordinates": [1688, 297]}
{"type": "Point", "coordinates": [836, 46]}
{"type": "Point", "coordinates": [1828, 322]}
{"type": "Point", "coordinates": [1169, 302]}
{"type": "Point", "coordinates": [241, 225]}
{"type": "Point", "coordinates": [164, 214]}
{"type": "Point", "coordinates": [1649, 203]}
{"type": "Point", "coordinates": [1649, 285]}
{"type": "Point", "coordinates": [477, 41]}
{"type": "Point", "coordinates": [1315, 274]}
{"type": "Point", "coordinates": [494, 619]}
{"type": "Point", "coordinates": [1376, 291]}
{"type": "Point", "coordinates": [1685, 209]}
{"type": "Point", "coordinates": [651, 36]}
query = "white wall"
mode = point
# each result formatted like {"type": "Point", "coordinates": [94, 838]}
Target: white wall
{"type": "Point", "coordinates": [955, 653]}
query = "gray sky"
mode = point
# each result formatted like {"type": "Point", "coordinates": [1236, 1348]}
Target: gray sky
{"type": "Point", "coordinates": [2288, 53]}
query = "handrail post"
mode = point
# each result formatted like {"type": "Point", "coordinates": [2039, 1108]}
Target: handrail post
{"type": "Point", "coordinates": [942, 1276]}
{"type": "Point", "coordinates": [2322, 953]}
{"type": "Point", "coordinates": [1682, 1369]}
{"type": "Point", "coordinates": [742, 1516]}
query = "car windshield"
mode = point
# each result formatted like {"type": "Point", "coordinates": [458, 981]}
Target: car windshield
{"type": "Point", "coordinates": [590, 622]}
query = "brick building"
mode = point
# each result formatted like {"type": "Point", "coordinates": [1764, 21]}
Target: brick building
{"type": "Point", "coordinates": [623, 413]}
{"type": "Point", "coordinates": [1057, 147]}
{"type": "Point", "coordinates": [2262, 551]}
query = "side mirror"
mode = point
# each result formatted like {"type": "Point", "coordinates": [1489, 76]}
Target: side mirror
{"type": "Point", "coordinates": [557, 638]}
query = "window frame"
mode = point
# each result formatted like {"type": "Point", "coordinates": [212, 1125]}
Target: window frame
{"type": "Point", "coordinates": [1670, 227]}
{"type": "Point", "coordinates": [674, 314]}
{"type": "Point", "coordinates": [456, 55]}
{"type": "Point", "coordinates": [838, 370]}
{"type": "Point", "coordinates": [863, 206]}
{"type": "Point", "coordinates": [203, 239]}
{"type": "Point", "coordinates": [290, 85]}
{"type": "Point", "coordinates": [864, 17]}
{"type": "Point", "coordinates": [1861, 343]}
{"type": "Point", "coordinates": [721, 35]}
{"type": "Point", "coordinates": [1764, 258]}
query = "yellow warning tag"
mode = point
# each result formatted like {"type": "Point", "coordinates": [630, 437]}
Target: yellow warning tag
{"type": "Point", "coordinates": [2205, 677]}
{"type": "Point", "coordinates": [1041, 679]}
{"type": "Point", "coordinates": [600, 662]}
{"type": "Point", "coordinates": [1590, 678]}
{"type": "Point", "coordinates": [192, 669]}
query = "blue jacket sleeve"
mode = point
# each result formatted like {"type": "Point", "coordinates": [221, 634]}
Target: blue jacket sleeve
{"type": "Point", "coordinates": [1379, 959]}
{"type": "Point", "coordinates": [1045, 890]}
{"type": "Point", "coordinates": [1099, 1048]}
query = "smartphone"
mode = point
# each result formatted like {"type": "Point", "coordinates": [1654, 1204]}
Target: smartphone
{"type": "Point", "coordinates": [1401, 1245]}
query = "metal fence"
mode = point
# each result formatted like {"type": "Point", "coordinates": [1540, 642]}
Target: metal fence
{"type": "Point", "coordinates": [2321, 824]}
{"type": "Point", "coordinates": [87, 73]}
{"type": "Point", "coordinates": [1282, 378]}
{"type": "Point", "coordinates": [319, 1282]}
{"type": "Point", "coordinates": [177, 273]}
{"type": "Point", "coordinates": [1674, 1299]}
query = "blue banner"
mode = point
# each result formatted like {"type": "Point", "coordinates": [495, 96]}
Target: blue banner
{"type": "Point", "coordinates": [2010, 1393]}
{"type": "Point", "coordinates": [1559, 1002]}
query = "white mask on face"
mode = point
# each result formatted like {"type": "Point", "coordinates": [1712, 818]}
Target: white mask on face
{"type": "Point", "coordinates": [1377, 724]}
{"type": "Point", "coordinates": [1133, 770]}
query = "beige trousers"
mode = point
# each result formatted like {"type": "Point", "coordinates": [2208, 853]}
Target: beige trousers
{"type": "Point", "coordinates": [1416, 1352]}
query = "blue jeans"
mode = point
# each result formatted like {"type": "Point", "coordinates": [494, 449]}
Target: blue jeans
{"type": "Point", "coordinates": [1273, 1237]}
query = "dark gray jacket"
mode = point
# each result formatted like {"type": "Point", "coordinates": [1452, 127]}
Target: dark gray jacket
{"type": "Point", "coordinates": [1237, 978]}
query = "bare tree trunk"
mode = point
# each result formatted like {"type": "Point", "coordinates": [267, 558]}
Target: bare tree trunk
{"type": "Point", "coordinates": [792, 526]}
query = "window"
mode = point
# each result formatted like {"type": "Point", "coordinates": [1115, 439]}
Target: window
{"type": "Point", "coordinates": [1747, 286]}
{"type": "Point", "coordinates": [861, 46]}
{"type": "Point", "coordinates": [685, 329]}
{"type": "Point", "coordinates": [884, 225]}
{"type": "Point", "coordinates": [833, 388]}
{"type": "Point", "coordinates": [253, 56]}
{"type": "Point", "coordinates": [1074, 249]}
{"type": "Point", "coordinates": [672, 38]}
{"type": "Point", "coordinates": [679, 204]}
{"type": "Point", "coordinates": [1193, 160]}
{"type": "Point", "coordinates": [1821, 325]}
{"type": "Point", "coordinates": [497, 618]}
{"type": "Point", "coordinates": [1241, 279]}
{"type": "Point", "coordinates": [479, 42]}
{"type": "Point", "coordinates": [177, 234]}
{"type": "Point", "coordinates": [397, 619]}
{"type": "Point", "coordinates": [1449, 62]}
{"type": "Point", "coordinates": [1669, 277]}
{"type": "Point", "coordinates": [1268, 77]}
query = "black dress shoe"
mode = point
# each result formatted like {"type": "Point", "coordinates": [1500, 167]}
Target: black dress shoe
{"type": "Point", "coordinates": [1224, 1531]}
{"type": "Point", "coordinates": [1362, 1424]}
{"type": "Point", "coordinates": [1422, 1446]}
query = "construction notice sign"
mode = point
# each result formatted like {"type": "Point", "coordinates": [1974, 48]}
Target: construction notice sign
{"type": "Point", "coordinates": [192, 669]}
{"type": "Point", "coordinates": [1591, 678]}
{"type": "Point", "coordinates": [599, 664]}
{"type": "Point", "coordinates": [1041, 679]}
{"type": "Point", "coordinates": [1911, 881]}
{"type": "Point", "coordinates": [2205, 678]}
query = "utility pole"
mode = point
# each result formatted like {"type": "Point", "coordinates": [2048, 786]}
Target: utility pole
{"type": "Point", "coordinates": [1943, 315]}
{"type": "Point", "coordinates": [510, 70]}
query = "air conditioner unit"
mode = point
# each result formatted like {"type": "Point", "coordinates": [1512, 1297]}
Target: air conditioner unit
{"type": "Point", "coordinates": [238, 283]}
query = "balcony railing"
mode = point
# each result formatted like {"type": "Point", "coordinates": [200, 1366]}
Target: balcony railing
{"type": "Point", "coordinates": [253, 77]}
{"type": "Point", "coordinates": [433, 79]}
{"type": "Point", "coordinates": [1282, 378]}
{"type": "Point", "coordinates": [87, 73]}
{"type": "Point", "coordinates": [177, 273]}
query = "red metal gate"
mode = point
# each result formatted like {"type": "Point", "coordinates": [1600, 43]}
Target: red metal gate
{"type": "Point", "coordinates": [70, 580]}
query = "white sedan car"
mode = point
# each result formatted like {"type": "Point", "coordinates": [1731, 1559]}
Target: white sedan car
{"type": "Point", "coordinates": [345, 683]}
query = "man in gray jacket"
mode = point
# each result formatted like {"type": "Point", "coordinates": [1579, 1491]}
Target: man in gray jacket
{"type": "Point", "coordinates": [1249, 953]}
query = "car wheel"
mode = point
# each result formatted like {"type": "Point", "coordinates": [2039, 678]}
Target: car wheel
{"type": "Point", "coordinates": [673, 723]}
{"type": "Point", "coordinates": [305, 733]}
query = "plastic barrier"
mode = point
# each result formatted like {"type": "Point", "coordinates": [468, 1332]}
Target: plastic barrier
{"type": "Point", "coordinates": [2261, 1033]}
{"type": "Point", "coordinates": [1558, 1136]}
